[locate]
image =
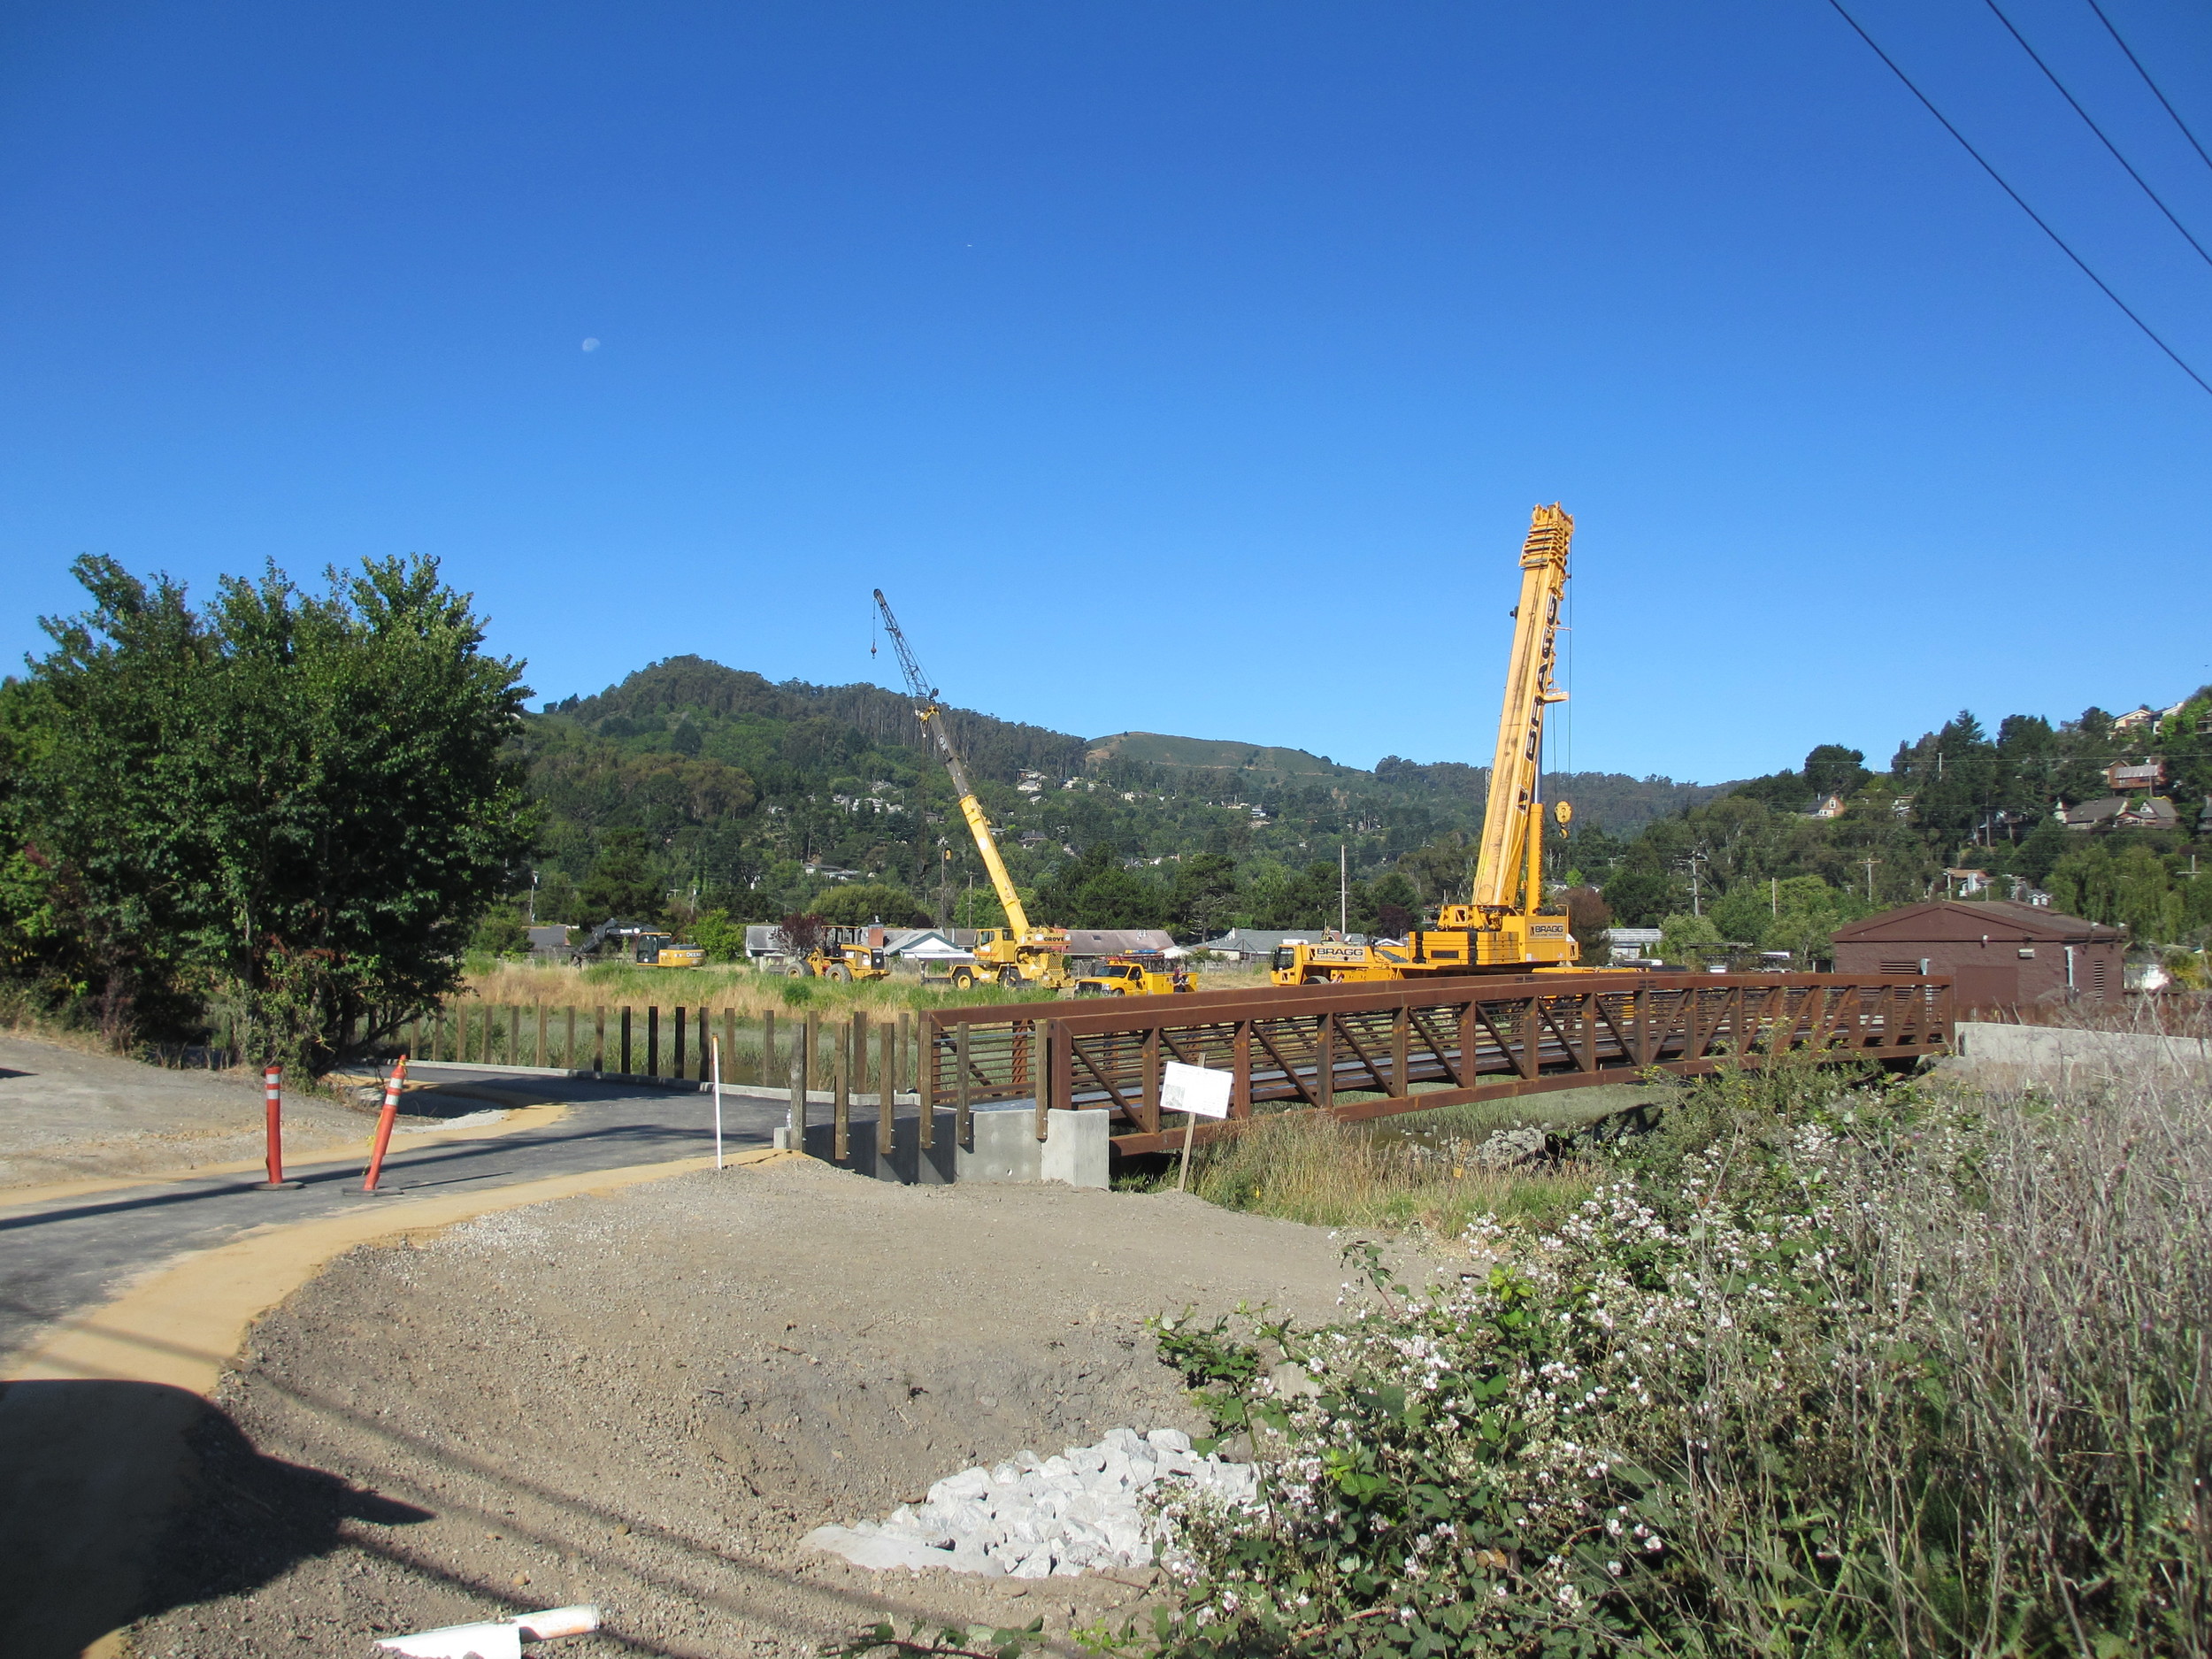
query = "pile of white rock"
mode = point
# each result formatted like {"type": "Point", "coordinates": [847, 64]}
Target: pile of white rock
{"type": "Point", "coordinates": [1092, 1506]}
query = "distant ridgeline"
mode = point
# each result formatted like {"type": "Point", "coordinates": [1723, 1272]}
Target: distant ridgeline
{"type": "Point", "coordinates": [761, 797]}
{"type": "Point", "coordinates": [693, 787]}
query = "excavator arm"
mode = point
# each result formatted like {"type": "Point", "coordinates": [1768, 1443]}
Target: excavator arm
{"type": "Point", "coordinates": [931, 714]}
{"type": "Point", "coordinates": [1508, 873]}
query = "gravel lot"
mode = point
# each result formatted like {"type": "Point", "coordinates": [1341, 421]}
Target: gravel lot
{"type": "Point", "coordinates": [65, 1114]}
{"type": "Point", "coordinates": [645, 1400]}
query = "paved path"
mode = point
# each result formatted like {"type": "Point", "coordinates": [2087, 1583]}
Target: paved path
{"type": "Point", "coordinates": [64, 1254]}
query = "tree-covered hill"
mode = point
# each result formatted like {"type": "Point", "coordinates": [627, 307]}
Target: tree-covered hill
{"type": "Point", "coordinates": [704, 786]}
{"type": "Point", "coordinates": [690, 788]}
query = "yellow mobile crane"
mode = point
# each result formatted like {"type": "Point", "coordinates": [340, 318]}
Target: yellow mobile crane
{"type": "Point", "coordinates": [1504, 927]}
{"type": "Point", "coordinates": [1017, 953]}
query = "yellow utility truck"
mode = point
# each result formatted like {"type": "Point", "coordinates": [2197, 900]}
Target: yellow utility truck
{"type": "Point", "coordinates": [1139, 974]}
{"type": "Point", "coordinates": [1505, 926]}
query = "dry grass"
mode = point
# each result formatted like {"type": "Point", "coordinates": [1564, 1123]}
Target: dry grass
{"type": "Point", "coordinates": [1419, 1170]}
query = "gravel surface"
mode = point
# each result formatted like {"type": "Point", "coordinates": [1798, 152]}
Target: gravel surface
{"type": "Point", "coordinates": [1106, 1505]}
{"type": "Point", "coordinates": [65, 1114]}
{"type": "Point", "coordinates": [646, 1399]}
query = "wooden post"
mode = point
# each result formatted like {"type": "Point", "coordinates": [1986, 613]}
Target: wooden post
{"type": "Point", "coordinates": [514, 1033]}
{"type": "Point", "coordinates": [676, 1071]}
{"type": "Point", "coordinates": [652, 1040]}
{"type": "Point", "coordinates": [840, 1092]}
{"type": "Point", "coordinates": [538, 1059]}
{"type": "Point", "coordinates": [1047, 1035]}
{"type": "Point", "coordinates": [962, 1125]}
{"type": "Point", "coordinates": [857, 1035]}
{"type": "Point", "coordinates": [1467, 1043]}
{"type": "Point", "coordinates": [796, 1122]}
{"type": "Point", "coordinates": [899, 1045]}
{"type": "Point", "coordinates": [1151, 1096]}
{"type": "Point", "coordinates": [925, 1126]}
{"type": "Point", "coordinates": [887, 1097]}
{"type": "Point", "coordinates": [1531, 1046]}
{"type": "Point", "coordinates": [1324, 1064]}
{"type": "Point", "coordinates": [626, 1039]}
{"type": "Point", "coordinates": [1400, 1030]}
{"type": "Point", "coordinates": [1240, 1060]}
{"type": "Point", "coordinates": [598, 1039]}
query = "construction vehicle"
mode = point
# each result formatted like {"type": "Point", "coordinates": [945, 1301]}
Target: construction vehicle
{"type": "Point", "coordinates": [1504, 927]}
{"type": "Point", "coordinates": [1017, 953]}
{"type": "Point", "coordinates": [840, 963]}
{"type": "Point", "coordinates": [843, 955]}
{"type": "Point", "coordinates": [1137, 973]}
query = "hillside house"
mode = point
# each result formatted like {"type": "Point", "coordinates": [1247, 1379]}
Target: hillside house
{"type": "Point", "coordinates": [2124, 777]}
{"type": "Point", "coordinates": [2118, 812]}
{"type": "Point", "coordinates": [1998, 954]}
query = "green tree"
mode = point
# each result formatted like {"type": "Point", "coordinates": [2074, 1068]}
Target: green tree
{"type": "Point", "coordinates": [1679, 934]}
{"type": "Point", "coordinates": [292, 807]}
{"type": "Point", "coordinates": [866, 902]}
{"type": "Point", "coordinates": [1202, 898]}
{"type": "Point", "coordinates": [622, 885]}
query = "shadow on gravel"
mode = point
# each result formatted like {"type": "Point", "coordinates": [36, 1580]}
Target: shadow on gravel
{"type": "Point", "coordinates": [99, 1481]}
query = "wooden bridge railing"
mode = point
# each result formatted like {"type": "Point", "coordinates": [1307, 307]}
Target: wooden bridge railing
{"type": "Point", "coordinates": [1372, 1050]}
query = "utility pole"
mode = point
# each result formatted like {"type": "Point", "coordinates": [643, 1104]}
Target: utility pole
{"type": "Point", "coordinates": [1691, 865]}
{"type": "Point", "coordinates": [1869, 878]}
{"type": "Point", "coordinates": [1343, 892]}
{"type": "Point", "coordinates": [1775, 896]}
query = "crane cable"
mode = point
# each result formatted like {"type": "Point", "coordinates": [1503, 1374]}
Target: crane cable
{"type": "Point", "coordinates": [2020, 200]}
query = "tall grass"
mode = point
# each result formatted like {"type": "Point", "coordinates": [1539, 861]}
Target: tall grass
{"type": "Point", "coordinates": [747, 991]}
{"type": "Point", "coordinates": [1819, 1370]}
{"type": "Point", "coordinates": [1421, 1170]}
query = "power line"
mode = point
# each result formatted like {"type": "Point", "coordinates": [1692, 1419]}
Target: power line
{"type": "Point", "coordinates": [2089, 122]}
{"type": "Point", "coordinates": [2148, 81]}
{"type": "Point", "coordinates": [2020, 200]}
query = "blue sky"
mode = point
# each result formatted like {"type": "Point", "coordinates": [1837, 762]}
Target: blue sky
{"type": "Point", "coordinates": [1176, 367]}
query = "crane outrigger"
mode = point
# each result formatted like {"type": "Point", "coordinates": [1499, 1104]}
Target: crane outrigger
{"type": "Point", "coordinates": [1504, 926]}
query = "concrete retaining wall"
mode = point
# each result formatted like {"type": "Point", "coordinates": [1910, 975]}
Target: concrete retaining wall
{"type": "Point", "coordinates": [2059, 1052]}
{"type": "Point", "coordinates": [1075, 1150]}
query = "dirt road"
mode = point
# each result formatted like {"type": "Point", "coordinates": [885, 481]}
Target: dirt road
{"type": "Point", "coordinates": [643, 1400]}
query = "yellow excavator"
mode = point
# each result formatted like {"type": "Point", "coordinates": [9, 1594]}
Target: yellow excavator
{"type": "Point", "coordinates": [1017, 953]}
{"type": "Point", "coordinates": [1504, 927]}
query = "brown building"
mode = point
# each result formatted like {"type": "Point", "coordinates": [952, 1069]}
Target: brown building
{"type": "Point", "coordinates": [1997, 954]}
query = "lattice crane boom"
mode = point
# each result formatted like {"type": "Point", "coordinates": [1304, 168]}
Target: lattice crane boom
{"type": "Point", "coordinates": [930, 712]}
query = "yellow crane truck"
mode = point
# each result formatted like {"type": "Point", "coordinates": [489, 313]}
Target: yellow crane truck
{"type": "Point", "coordinates": [1504, 927]}
{"type": "Point", "coordinates": [1017, 953]}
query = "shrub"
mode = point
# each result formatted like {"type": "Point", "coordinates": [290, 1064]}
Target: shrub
{"type": "Point", "coordinates": [1874, 1369]}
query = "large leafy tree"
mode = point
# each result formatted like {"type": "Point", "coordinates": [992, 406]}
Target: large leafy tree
{"type": "Point", "coordinates": [283, 809]}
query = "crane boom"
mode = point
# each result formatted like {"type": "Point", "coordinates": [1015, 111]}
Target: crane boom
{"type": "Point", "coordinates": [931, 714]}
{"type": "Point", "coordinates": [1508, 873]}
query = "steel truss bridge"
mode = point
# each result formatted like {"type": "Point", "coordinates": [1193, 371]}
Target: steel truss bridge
{"type": "Point", "coordinates": [1372, 1050]}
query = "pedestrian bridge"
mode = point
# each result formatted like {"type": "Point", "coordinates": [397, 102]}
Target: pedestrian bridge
{"type": "Point", "coordinates": [1373, 1049]}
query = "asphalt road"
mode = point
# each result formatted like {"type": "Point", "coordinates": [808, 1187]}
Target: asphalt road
{"type": "Point", "coordinates": [59, 1257]}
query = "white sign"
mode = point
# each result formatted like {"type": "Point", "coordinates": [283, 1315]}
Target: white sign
{"type": "Point", "coordinates": [1195, 1088]}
